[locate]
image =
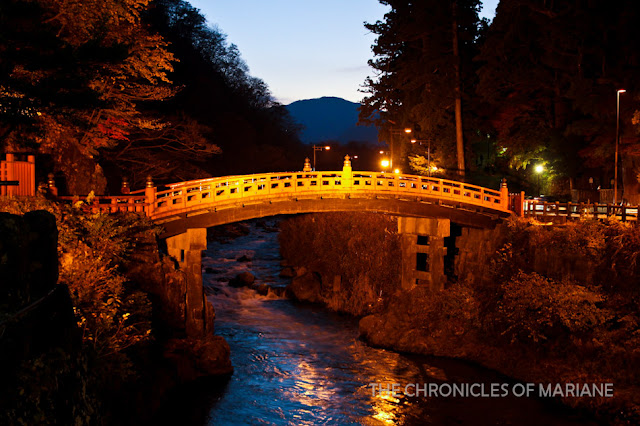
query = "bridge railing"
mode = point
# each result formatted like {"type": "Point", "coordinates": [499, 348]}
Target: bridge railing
{"type": "Point", "coordinates": [230, 191]}
{"type": "Point", "coordinates": [112, 204]}
{"type": "Point", "coordinates": [222, 191]}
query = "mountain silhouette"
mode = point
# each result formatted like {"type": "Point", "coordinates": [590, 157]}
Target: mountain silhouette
{"type": "Point", "coordinates": [330, 119]}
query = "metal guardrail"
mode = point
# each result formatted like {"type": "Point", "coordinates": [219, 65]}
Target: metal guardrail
{"type": "Point", "coordinates": [579, 211]}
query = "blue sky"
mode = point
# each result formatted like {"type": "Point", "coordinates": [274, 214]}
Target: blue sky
{"type": "Point", "coordinates": [303, 49]}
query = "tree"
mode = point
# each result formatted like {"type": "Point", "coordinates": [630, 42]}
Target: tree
{"type": "Point", "coordinates": [81, 72]}
{"type": "Point", "coordinates": [424, 68]}
{"type": "Point", "coordinates": [549, 73]}
{"type": "Point", "coordinates": [254, 131]}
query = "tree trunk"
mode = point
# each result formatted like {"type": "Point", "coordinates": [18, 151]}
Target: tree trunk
{"type": "Point", "coordinates": [457, 90]}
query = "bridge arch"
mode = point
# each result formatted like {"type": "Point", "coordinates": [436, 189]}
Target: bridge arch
{"type": "Point", "coordinates": [425, 206]}
{"type": "Point", "coordinates": [417, 208]}
{"type": "Point", "coordinates": [216, 201]}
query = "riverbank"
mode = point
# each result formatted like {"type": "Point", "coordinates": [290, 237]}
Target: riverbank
{"type": "Point", "coordinates": [555, 305]}
{"type": "Point", "coordinates": [122, 345]}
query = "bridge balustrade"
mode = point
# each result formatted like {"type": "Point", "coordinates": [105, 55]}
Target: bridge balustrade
{"type": "Point", "coordinates": [107, 204]}
{"type": "Point", "coordinates": [225, 192]}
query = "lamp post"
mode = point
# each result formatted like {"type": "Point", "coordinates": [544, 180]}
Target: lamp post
{"type": "Point", "coordinates": [539, 169]}
{"type": "Point", "coordinates": [318, 148]}
{"type": "Point", "coordinates": [615, 172]}
{"type": "Point", "coordinates": [393, 132]}
{"type": "Point", "coordinates": [428, 152]}
{"type": "Point", "coordinates": [386, 162]}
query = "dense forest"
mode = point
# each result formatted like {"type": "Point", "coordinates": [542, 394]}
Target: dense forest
{"type": "Point", "coordinates": [536, 86]}
{"type": "Point", "coordinates": [128, 88]}
{"type": "Point", "coordinates": [110, 89]}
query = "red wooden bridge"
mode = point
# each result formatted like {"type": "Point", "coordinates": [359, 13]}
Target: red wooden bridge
{"type": "Point", "coordinates": [215, 201]}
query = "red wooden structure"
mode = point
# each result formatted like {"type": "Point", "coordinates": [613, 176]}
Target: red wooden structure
{"type": "Point", "coordinates": [18, 175]}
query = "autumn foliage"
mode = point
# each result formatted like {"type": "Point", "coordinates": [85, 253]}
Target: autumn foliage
{"type": "Point", "coordinates": [93, 249]}
{"type": "Point", "coordinates": [112, 89]}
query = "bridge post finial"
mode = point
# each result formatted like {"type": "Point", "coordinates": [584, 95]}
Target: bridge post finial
{"type": "Point", "coordinates": [124, 187]}
{"type": "Point", "coordinates": [307, 165]}
{"type": "Point", "coordinates": [504, 194]}
{"type": "Point", "coordinates": [150, 194]}
{"type": "Point", "coordinates": [51, 184]}
{"type": "Point", "coordinates": [347, 172]}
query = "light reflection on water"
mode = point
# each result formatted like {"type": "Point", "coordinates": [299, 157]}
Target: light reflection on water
{"type": "Point", "coordinates": [301, 365]}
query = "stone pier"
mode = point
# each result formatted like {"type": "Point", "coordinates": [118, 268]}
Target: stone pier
{"type": "Point", "coordinates": [187, 249]}
{"type": "Point", "coordinates": [423, 251]}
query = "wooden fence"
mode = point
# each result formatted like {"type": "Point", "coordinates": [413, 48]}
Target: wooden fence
{"type": "Point", "coordinates": [18, 177]}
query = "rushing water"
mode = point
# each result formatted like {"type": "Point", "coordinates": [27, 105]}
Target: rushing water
{"type": "Point", "coordinates": [296, 364]}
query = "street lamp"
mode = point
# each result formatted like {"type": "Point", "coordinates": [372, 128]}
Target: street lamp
{"type": "Point", "coordinates": [318, 148]}
{"type": "Point", "coordinates": [539, 169]}
{"type": "Point", "coordinates": [428, 151]}
{"type": "Point", "coordinates": [393, 132]}
{"type": "Point", "coordinates": [615, 172]}
{"type": "Point", "coordinates": [386, 162]}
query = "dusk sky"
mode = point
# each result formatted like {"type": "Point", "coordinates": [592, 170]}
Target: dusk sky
{"type": "Point", "coordinates": [303, 50]}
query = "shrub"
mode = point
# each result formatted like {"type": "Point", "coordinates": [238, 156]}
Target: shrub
{"type": "Point", "coordinates": [535, 310]}
{"type": "Point", "coordinates": [352, 245]}
{"type": "Point", "coordinates": [111, 312]}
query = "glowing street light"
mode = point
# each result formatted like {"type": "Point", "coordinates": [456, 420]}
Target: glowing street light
{"type": "Point", "coordinates": [393, 132]}
{"type": "Point", "coordinates": [386, 162]}
{"type": "Point", "coordinates": [428, 153]}
{"type": "Point", "coordinates": [539, 169]}
{"type": "Point", "coordinates": [615, 172]}
{"type": "Point", "coordinates": [396, 171]}
{"type": "Point", "coordinates": [318, 148]}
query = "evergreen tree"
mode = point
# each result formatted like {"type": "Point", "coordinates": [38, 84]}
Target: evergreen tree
{"type": "Point", "coordinates": [425, 72]}
{"type": "Point", "coordinates": [549, 75]}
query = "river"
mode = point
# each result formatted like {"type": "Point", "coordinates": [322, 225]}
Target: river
{"type": "Point", "coordinates": [302, 365]}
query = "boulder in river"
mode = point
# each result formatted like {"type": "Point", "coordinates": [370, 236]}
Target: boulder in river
{"type": "Point", "coordinates": [244, 279]}
{"type": "Point", "coordinates": [287, 272]}
{"type": "Point", "coordinates": [195, 358]}
{"type": "Point", "coordinates": [307, 287]}
{"type": "Point", "coordinates": [244, 258]}
{"type": "Point", "coordinates": [261, 289]}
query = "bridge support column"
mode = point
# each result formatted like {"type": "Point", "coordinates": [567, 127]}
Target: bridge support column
{"type": "Point", "coordinates": [187, 250]}
{"type": "Point", "coordinates": [423, 251]}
